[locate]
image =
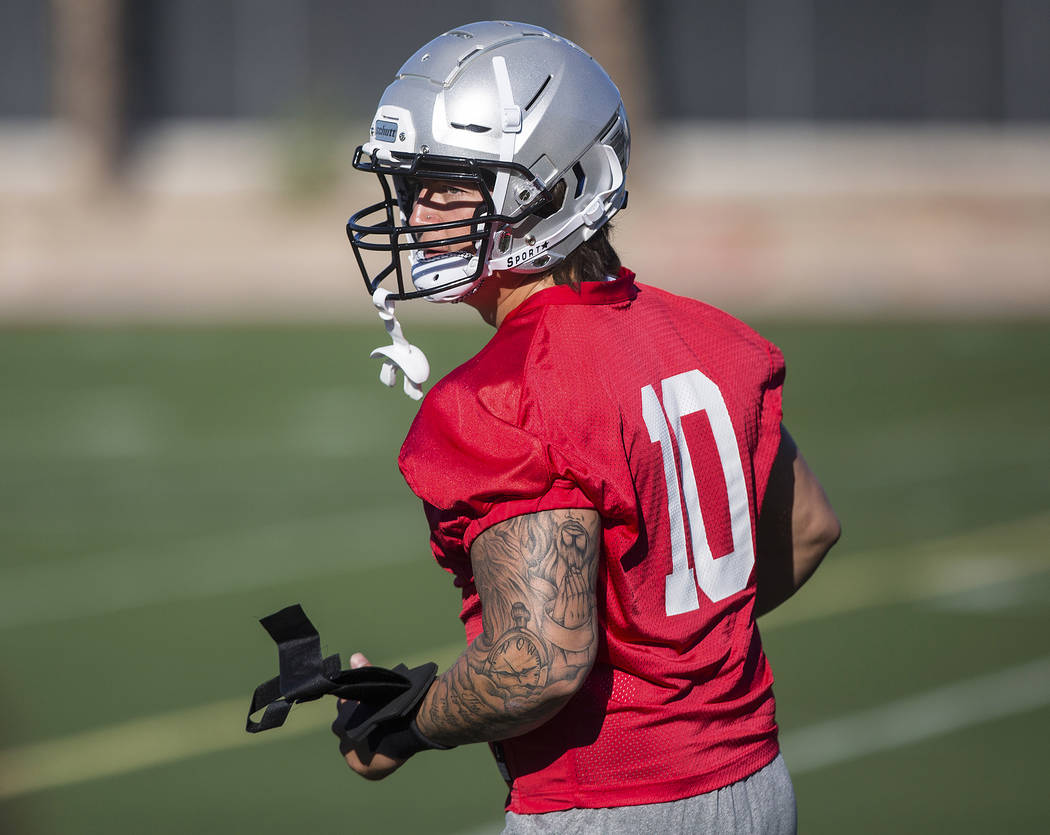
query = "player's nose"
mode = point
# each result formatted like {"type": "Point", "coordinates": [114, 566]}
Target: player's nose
{"type": "Point", "coordinates": [423, 210]}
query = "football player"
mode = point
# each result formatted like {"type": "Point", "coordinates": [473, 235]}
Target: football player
{"type": "Point", "coordinates": [608, 480]}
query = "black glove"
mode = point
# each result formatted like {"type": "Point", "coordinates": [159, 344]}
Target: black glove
{"type": "Point", "coordinates": [389, 728]}
{"type": "Point", "coordinates": [381, 704]}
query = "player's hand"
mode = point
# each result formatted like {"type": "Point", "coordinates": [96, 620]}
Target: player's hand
{"type": "Point", "coordinates": [369, 764]}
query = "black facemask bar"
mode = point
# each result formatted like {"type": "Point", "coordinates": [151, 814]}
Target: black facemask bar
{"type": "Point", "coordinates": [480, 173]}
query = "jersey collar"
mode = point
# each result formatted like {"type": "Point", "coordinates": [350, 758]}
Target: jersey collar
{"type": "Point", "coordinates": [620, 289]}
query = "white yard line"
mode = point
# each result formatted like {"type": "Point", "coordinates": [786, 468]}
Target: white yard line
{"type": "Point", "coordinates": [156, 740]}
{"type": "Point", "coordinates": [862, 584]}
{"type": "Point", "coordinates": [984, 559]}
{"type": "Point", "coordinates": [258, 557]}
{"type": "Point", "coordinates": [179, 735]}
{"type": "Point", "coordinates": [230, 561]}
{"type": "Point", "coordinates": [916, 718]}
{"type": "Point", "coordinates": [493, 828]}
{"type": "Point", "coordinates": [130, 746]}
{"type": "Point", "coordinates": [907, 721]}
{"type": "Point", "coordinates": [133, 421]}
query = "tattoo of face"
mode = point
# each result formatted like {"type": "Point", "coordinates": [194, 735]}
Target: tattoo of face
{"type": "Point", "coordinates": [571, 602]}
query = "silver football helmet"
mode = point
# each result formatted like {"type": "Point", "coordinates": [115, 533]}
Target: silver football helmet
{"type": "Point", "coordinates": [528, 118]}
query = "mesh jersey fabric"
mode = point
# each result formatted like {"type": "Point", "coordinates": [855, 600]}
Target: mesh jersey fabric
{"type": "Point", "coordinates": [549, 414]}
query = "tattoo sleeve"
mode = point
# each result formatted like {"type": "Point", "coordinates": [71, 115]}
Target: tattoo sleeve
{"type": "Point", "coordinates": [535, 575]}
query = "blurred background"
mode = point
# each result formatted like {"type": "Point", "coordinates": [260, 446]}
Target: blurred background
{"type": "Point", "coordinates": [192, 436]}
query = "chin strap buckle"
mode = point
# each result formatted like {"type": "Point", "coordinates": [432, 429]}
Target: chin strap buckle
{"type": "Point", "coordinates": [401, 355]}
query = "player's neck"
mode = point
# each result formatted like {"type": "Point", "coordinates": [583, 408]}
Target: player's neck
{"type": "Point", "coordinates": [501, 293]}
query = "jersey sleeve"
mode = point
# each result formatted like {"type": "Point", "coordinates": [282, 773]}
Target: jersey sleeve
{"type": "Point", "coordinates": [467, 456]}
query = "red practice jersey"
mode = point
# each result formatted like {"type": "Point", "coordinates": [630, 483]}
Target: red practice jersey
{"type": "Point", "coordinates": [663, 413]}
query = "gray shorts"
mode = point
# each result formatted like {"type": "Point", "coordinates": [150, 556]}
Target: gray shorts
{"type": "Point", "coordinates": [762, 804]}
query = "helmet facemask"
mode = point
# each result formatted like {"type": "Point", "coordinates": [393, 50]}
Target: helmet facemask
{"type": "Point", "coordinates": [454, 273]}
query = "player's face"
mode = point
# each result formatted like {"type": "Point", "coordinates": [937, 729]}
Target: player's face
{"type": "Point", "coordinates": [441, 201]}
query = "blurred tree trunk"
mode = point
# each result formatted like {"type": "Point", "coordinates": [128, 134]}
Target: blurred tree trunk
{"type": "Point", "coordinates": [89, 87]}
{"type": "Point", "coordinates": [613, 32]}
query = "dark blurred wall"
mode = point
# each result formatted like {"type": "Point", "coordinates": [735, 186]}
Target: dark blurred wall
{"type": "Point", "coordinates": [25, 59]}
{"type": "Point", "coordinates": [271, 58]}
{"type": "Point", "coordinates": [821, 60]}
{"type": "Point", "coordinates": [851, 60]}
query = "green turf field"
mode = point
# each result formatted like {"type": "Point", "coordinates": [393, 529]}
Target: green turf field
{"type": "Point", "coordinates": [161, 489]}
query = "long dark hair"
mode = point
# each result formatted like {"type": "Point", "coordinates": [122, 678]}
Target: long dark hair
{"type": "Point", "coordinates": [593, 260]}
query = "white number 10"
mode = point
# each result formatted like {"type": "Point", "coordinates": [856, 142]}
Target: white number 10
{"type": "Point", "coordinates": [720, 577]}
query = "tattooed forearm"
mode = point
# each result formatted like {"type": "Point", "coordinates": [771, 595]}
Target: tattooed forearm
{"type": "Point", "coordinates": [536, 578]}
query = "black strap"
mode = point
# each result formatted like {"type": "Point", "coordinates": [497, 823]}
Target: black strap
{"type": "Point", "coordinates": [305, 675]}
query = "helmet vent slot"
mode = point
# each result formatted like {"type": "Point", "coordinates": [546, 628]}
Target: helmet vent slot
{"type": "Point", "coordinates": [543, 87]}
{"type": "Point", "coordinates": [468, 55]}
{"type": "Point", "coordinates": [581, 179]}
{"type": "Point", "coordinates": [471, 127]}
{"type": "Point", "coordinates": [616, 137]}
{"type": "Point", "coordinates": [545, 210]}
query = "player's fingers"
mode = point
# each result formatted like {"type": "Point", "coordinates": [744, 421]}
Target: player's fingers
{"type": "Point", "coordinates": [358, 660]}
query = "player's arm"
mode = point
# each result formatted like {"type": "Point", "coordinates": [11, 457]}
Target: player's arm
{"type": "Point", "coordinates": [535, 575]}
{"type": "Point", "coordinates": [796, 527]}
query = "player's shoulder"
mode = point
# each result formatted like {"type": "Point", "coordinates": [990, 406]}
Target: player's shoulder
{"type": "Point", "coordinates": [469, 438]}
{"type": "Point", "coordinates": [658, 296]}
{"type": "Point", "coordinates": [521, 377]}
{"type": "Point", "coordinates": [490, 381]}
{"type": "Point", "coordinates": [704, 317]}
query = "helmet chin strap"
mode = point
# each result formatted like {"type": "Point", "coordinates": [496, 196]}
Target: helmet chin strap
{"type": "Point", "coordinates": [401, 355]}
